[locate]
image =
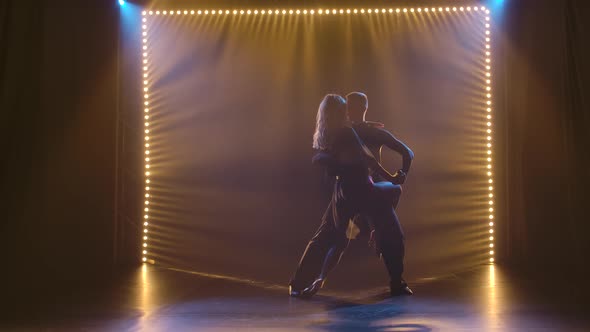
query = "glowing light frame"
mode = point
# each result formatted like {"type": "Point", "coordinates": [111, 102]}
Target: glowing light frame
{"type": "Point", "coordinates": [483, 11]}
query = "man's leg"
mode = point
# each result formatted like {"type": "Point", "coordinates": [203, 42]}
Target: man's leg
{"type": "Point", "coordinates": [389, 240]}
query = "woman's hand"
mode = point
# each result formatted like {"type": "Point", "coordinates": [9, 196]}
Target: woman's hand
{"type": "Point", "coordinates": [399, 177]}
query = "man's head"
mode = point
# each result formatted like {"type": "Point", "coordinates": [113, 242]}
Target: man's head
{"type": "Point", "coordinates": [357, 103]}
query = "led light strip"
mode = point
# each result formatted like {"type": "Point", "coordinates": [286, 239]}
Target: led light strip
{"type": "Point", "coordinates": [488, 92]}
{"type": "Point", "coordinates": [146, 104]}
{"type": "Point", "coordinates": [314, 11]}
{"type": "Point", "coordinates": [488, 79]}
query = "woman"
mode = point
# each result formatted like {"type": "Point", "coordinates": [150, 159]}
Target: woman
{"type": "Point", "coordinates": [346, 157]}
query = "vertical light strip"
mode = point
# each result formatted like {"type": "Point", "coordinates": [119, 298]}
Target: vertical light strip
{"type": "Point", "coordinates": [483, 11]}
{"type": "Point", "coordinates": [146, 108]}
{"type": "Point", "coordinates": [488, 139]}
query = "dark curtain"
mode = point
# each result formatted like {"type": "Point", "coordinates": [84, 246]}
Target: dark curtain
{"type": "Point", "coordinates": [58, 103]}
{"type": "Point", "coordinates": [544, 131]}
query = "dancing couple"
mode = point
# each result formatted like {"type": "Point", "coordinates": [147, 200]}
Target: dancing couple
{"type": "Point", "coordinates": [350, 149]}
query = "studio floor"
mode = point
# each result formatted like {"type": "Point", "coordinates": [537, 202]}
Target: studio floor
{"type": "Point", "coordinates": [151, 298]}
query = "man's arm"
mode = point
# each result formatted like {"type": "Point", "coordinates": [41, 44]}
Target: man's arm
{"type": "Point", "coordinates": [395, 144]}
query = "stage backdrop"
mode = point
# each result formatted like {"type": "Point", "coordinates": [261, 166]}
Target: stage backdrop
{"type": "Point", "coordinates": [232, 106]}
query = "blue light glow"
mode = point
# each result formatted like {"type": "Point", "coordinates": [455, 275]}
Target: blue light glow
{"type": "Point", "coordinates": [121, 2]}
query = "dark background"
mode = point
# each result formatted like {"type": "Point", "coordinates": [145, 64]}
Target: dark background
{"type": "Point", "coordinates": [68, 206]}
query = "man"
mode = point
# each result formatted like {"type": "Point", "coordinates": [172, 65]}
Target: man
{"type": "Point", "coordinates": [374, 136]}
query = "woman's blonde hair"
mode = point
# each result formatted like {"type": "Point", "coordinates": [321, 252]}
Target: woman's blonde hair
{"type": "Point", "coordinates": [331, 116]}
